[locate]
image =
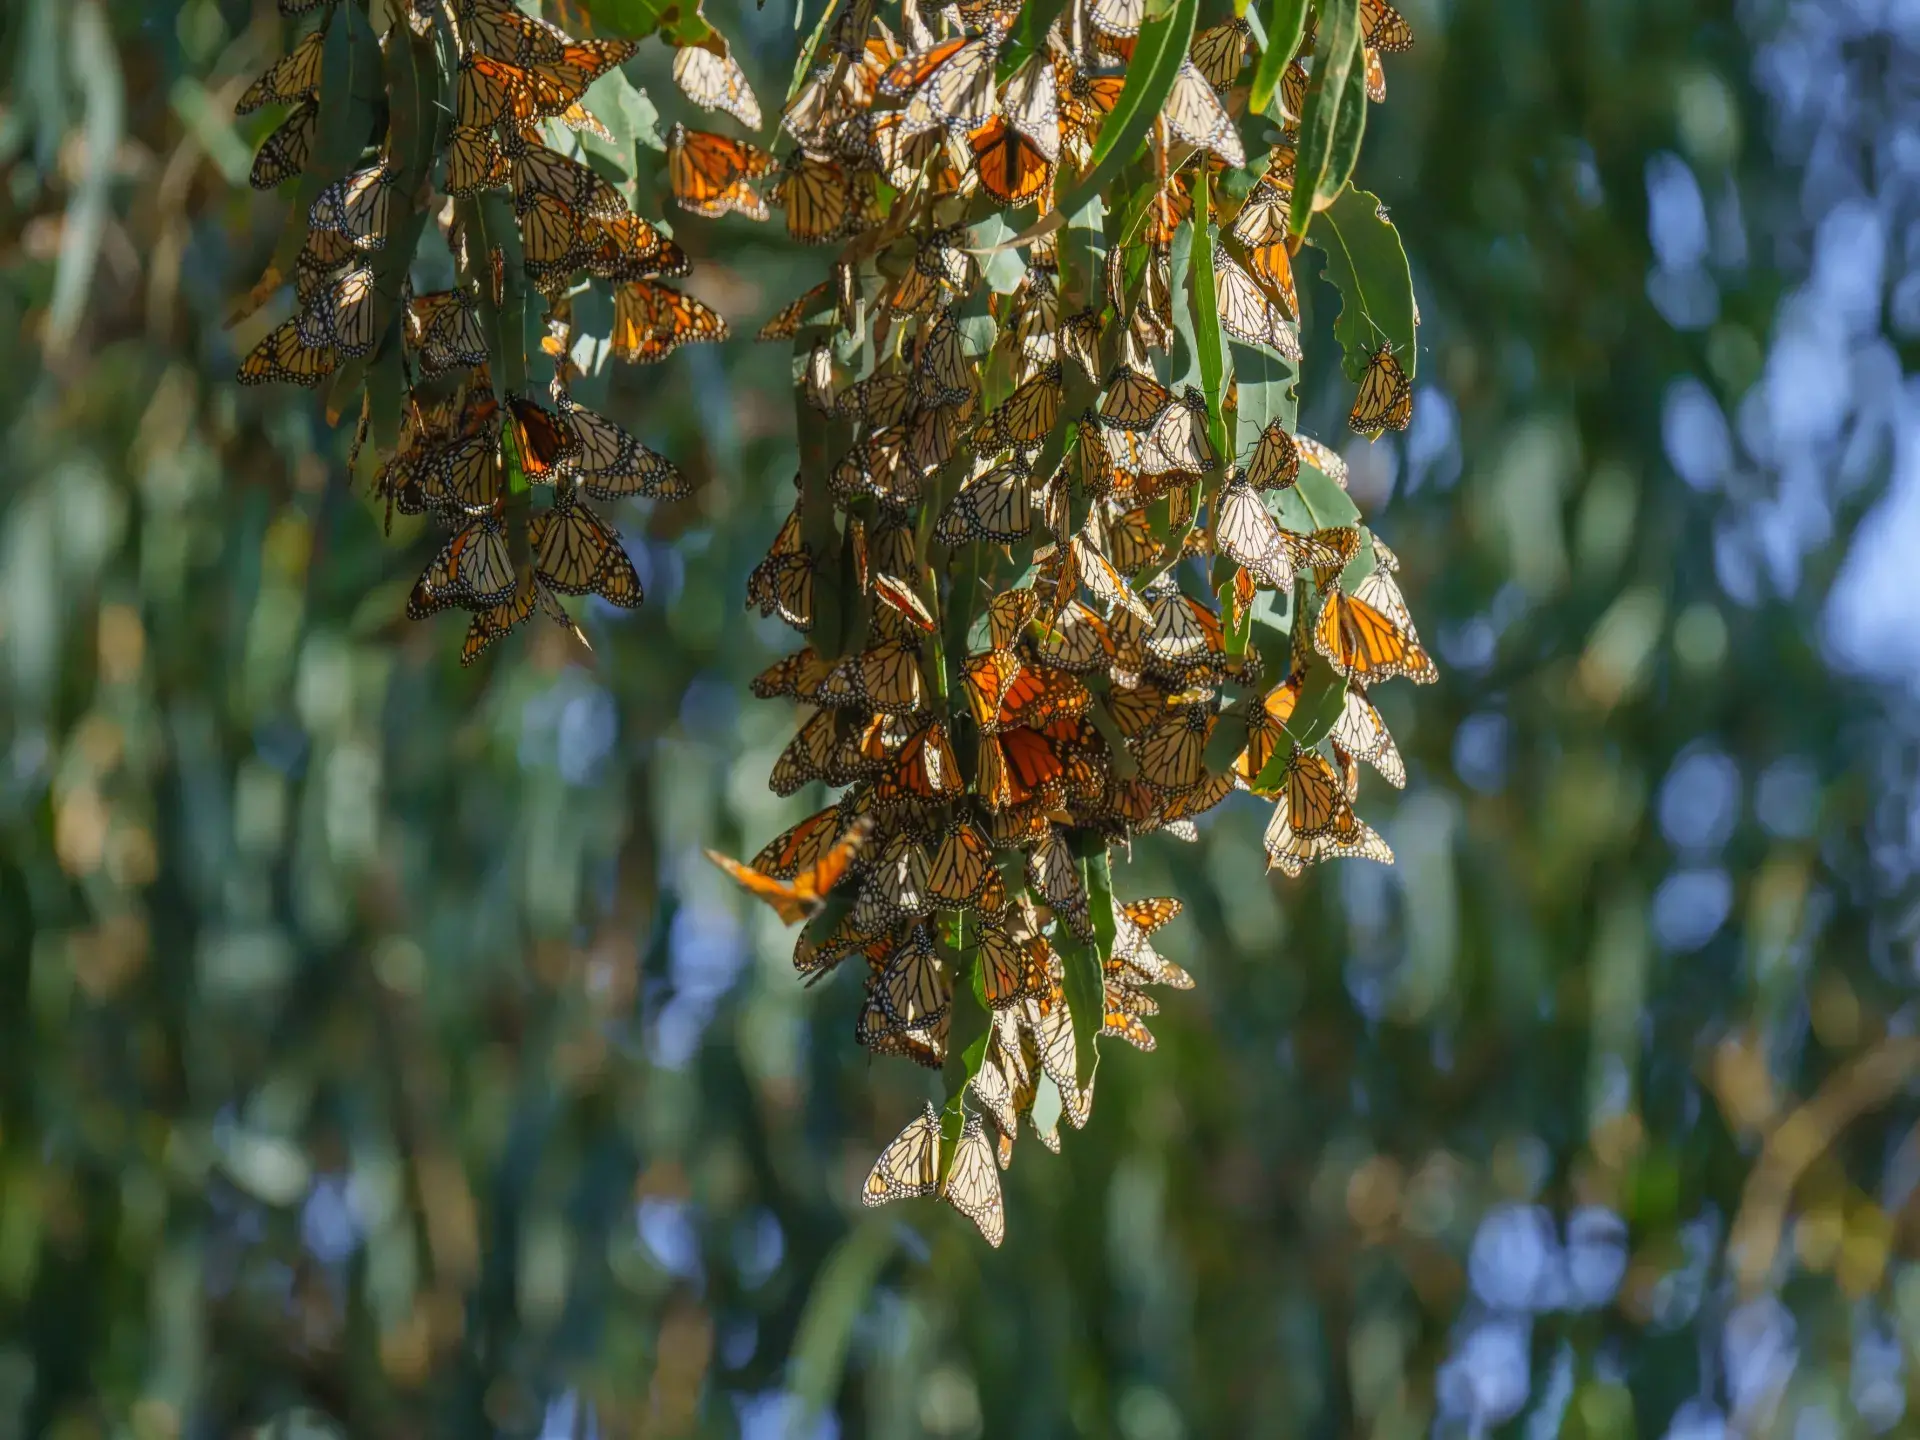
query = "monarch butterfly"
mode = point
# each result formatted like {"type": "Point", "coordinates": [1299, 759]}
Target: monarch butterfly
{"type": "Point", "coordinates": [629, 248]}
{"type": "Point", "coordinates": [284, 153]}
{"type": "Point", "coordinates": [651, 321]}
{"type": "Point", "coordinates": [1352, 838]}
{"type": "Point", "coordinates": [287, 355]}
{"type": "Point", "coordinates": [1152, 914]}
{"type": "Point", "coordinates": [462, 477]}
{"type": "Point", "coordinates": [819, 199]}
{"type": "Point", "coordinates": [923, 1044]}
{"type": "Point", "coordinates": [713, 80]}
{"type": "Point", "coordinates": [1053, 1030]}
{"type": "Point", "coordinates": [494, 92]}
{"type": "Point", "coordinates": [1031, 101]}
{"type": "Point", "coordinates": [1133, 400]}
{"type": "Point", "coordinates": [1383, 27]}
{"type": "Point", "coordinates": [1004, 1085]}
{"type": "Point", "coordinates": [950, 85]}
{"type": "Point", "coordinates": [500, 29]}
{"type": "Point", "coordinates": [786, 324]}
{"type": "Point", "coordinates": [342, 314]}
{"type": "Point", "coordinates": [1194, 114]}
{"type": "Point", "coordinates": [611, 463]}
{"type": "Point", "coordinates": [1121, 1017]}
{"type": "Point", "coordinates": [1376, 77]}
{"type": "Point", "coordinates": [962, 869]}
{"type": "Point", "coordinates": [1220, 51]}
{"type": "Point", "coordinates": [807, 755]}
{"type": "Point", "coordinates": [1171, 753]}
{"type": "Point", "coordinates": [576, 552]}
{"type": "Point", "coordinates": [1261, 226]}
{"type": "Point", "coordinates": [1385, 401]}
{"type": "Point", "coordinates": [900, 598]}
{"type": "Point", "coordinates": [1055, 878]}
{"type": "Point", "coordinates": [1178, 442]}
{"type": "Point", "coordinates": [293, 78]}
{"type": "Point", "coordinates": [941, 273]}
{"type": "Point", "coordinates": [895, 889]}
{"type": "Point", "coordinates": [1361, 733]}
{"type": "Point", "coordinates": [1294, 82]}
{"type": "Point", "coordinates": [550, 242]}
{"type": "Point", "coordinates": [799, 675]}
{"type": "Point", "coordinates": [1075, 639]}
{"type": "Point", "coordinates": [1248, 536]}
{"type": "Point", "coordinates": [883, 401]}
{"type": "Point", "coordinates": [1119, 18]}
{"type": "Point", "coordinates": [800, 847]}
{"type": "Point", "coordinates": [534, 170]}
{"type": "Point", "coordinates": [356, 206]}
{"type": "Point", "coordinates": [1247, 314]}
{"type": "Point", "coordinates": [1362, 642]}
{"type": "Point", "coordinates": [488, 626]}
{"type": "Point", "coordinates": [972, 1185]}
{"type": "Point", "coordinates": [804, 896]}
{"type": "Point", "coordinates": [1025, 418]}
{"type": "Point", "coordinates": [1276, 459]}
{"type": "Point", "coordinates": [910, 1165]}
{"type": "Point", "coordinates": [925, 769]}
{"type": "Point", "coordinates": [1012, 169]}
{"type": "Point", "coordinates": [472, 569]}
{"type": "Point", "coordinates": [1037, 699]}
{"type": "Point", "coordinates": [1184, 632]}
{"type": "Point", "coordinates": [709, 172]}
{"type": "Point", "coordinates": [443, 329]}
{"type": "Point", "coordinates": [782, 583]}
{"type": "Point", "coordinates": [542, 442]}
{"type": "Point", "coordinates": [1011, 969]}
{"type": "Point", "coordinates": [941, 366]}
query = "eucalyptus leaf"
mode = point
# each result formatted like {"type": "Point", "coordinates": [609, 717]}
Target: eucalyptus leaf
{"type": "Point", "coordinates": [1367, 264]}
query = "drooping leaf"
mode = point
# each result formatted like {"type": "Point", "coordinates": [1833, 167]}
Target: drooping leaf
{"type": "Point", "coordinates": [1336, 51]}
{"type": "Point", "coordinates": [1286, 22]}
{"type": "Point", "coordinates": [1367, 264]}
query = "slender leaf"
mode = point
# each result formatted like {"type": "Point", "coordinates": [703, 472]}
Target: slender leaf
{"type": "Point", "coordinates": [679, 22]}
{"type": "Point", "coordinates": [1286, 22]}
{"type": "Point", "coordinates": [1336, 51]}
{"type": "Point", "coordinates": [1348, 130]}
{"type": "Point", "coordinates": [1209, 341]}
{"type": "Point", "coordinates": [838, 1296]}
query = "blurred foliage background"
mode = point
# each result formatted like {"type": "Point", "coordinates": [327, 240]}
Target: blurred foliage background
{"type": "Point", "coordinates": [377, 1057]}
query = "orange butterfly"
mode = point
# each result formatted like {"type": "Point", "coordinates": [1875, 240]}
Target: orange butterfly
{"type": "Point", "coordinates": [709, 173]}
{"type": "Point", "coordinates": [1010, 166]}
{"type": "Point", "coordinates": [543, 442]}
{"type": "Point", "coordinates": [651, 321]}
{"type": "Point", "coordinates": [804, 896]}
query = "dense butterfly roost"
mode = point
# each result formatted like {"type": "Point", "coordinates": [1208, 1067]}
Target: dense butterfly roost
{"type": "Point", "coordinates": [455, 145]}
{"type": "Point", "coordinates": [1050, 496]}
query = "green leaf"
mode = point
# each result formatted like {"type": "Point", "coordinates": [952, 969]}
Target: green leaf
{"type": "Point", "coordinates": [1367, 264]}
{"type": "Point", "coordinates": [1085, 978]}
{"type": "Point", "coordinates": [1003, 269]}
{"type": "Point", "coordinates": [1286, 23]}
{"type": "Point", "coordinates": [1348, 130]}
{"type": "Point", "coordinates": [675, 21]}
{"type": "Point", "coordinates": [1314, 502]}
{"type": "Point", "coordinates": [834, 1303]}
{"type": "Point", "coordinates": [1265, 385]}
{"type": "Point", "coordinates": [1157, 54]}
{"type": "Point", "coordinates": [1335, 52]}
{"type": "Point", "coordinates": [803, 62]}
{"type": "Point", "coordinates": [1209, 341]}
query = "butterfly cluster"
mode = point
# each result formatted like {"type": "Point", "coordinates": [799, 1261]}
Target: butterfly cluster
{"type": "Point", "coordinates": [465, 123]}
{"type": "Point", "coordinates": [1062, 584]}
